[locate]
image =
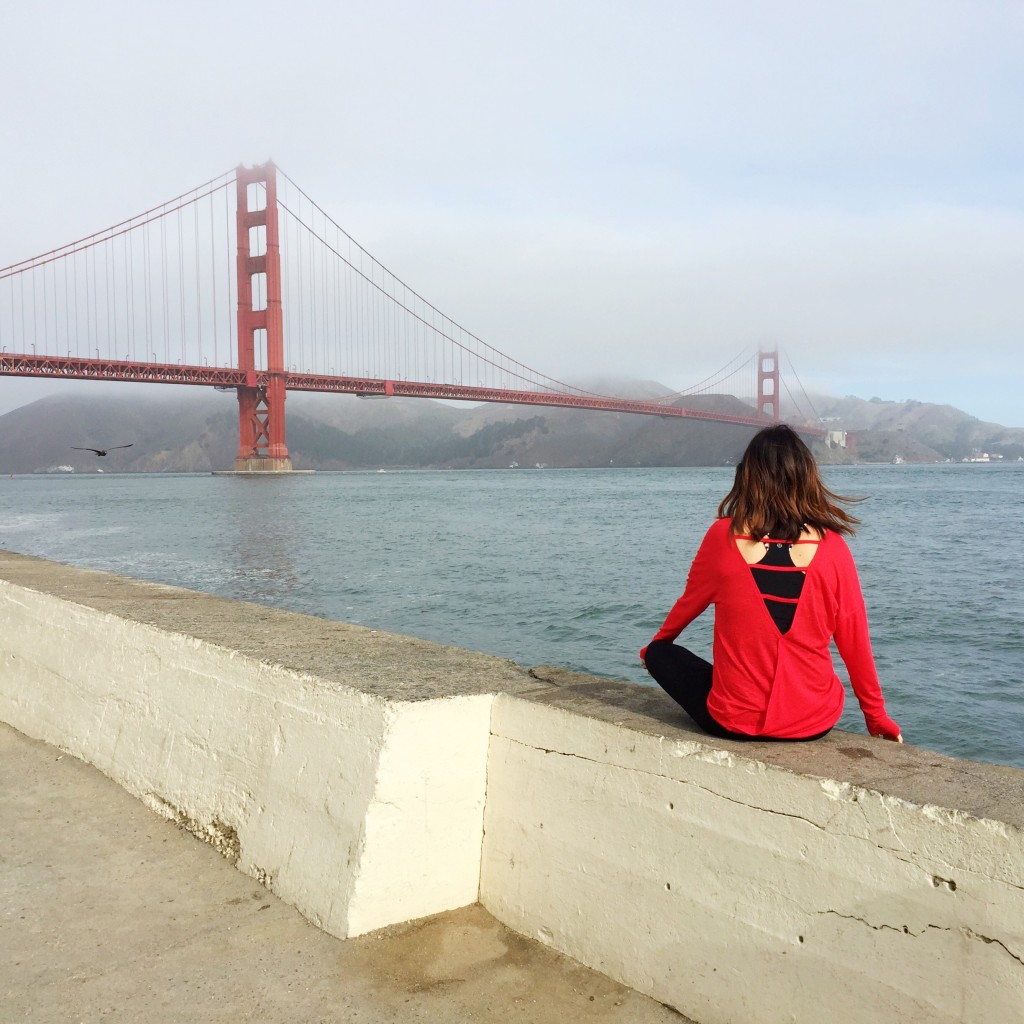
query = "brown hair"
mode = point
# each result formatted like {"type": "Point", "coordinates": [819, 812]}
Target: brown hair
{"type": "Point", "coordinates": [778, 489]}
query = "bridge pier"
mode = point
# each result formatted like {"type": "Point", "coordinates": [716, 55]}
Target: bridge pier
{"type": "Point", "coordinates": [264, 465]}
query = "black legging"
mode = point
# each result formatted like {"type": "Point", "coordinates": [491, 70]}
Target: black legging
{"type": "Point", "coordinates": [687, 680]}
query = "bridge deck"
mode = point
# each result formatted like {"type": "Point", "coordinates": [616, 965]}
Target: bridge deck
{"type": "Point", "coordinates": [226, 378]}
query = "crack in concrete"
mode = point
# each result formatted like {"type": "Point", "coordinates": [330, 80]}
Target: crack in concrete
{"type": "Point", "coordinates": [903, 929]}
{"type": "Point", "coordinates": [683, 782]}
{"type": "Point", "coordinates": [855, 793]}
{"type": "Point", "coordinates": [967, 932]}
{"type": "Point", "coordinates": [972, 934]}
{"type": "Point", "coordinates": [892, 827]}
{"type": "Point", "coordinates": [853, 797]}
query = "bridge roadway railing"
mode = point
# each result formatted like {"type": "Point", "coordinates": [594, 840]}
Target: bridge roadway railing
{"type": "Point", "coordinates": [369, 778]}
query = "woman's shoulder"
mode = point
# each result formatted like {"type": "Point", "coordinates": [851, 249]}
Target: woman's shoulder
{"type": "Point", "coordinates": [717, 536]}
{"type": "Point", "coordinates": [836, 547]}
{"type": "Point", "coordinates": [720, 529]}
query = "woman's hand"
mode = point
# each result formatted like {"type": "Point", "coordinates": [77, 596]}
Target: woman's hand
{"type": "Point", "coordinates": [898, 738]}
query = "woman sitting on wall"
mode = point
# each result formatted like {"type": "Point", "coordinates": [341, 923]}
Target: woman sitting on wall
{"type": "Point", "coordinates": [784, 584]}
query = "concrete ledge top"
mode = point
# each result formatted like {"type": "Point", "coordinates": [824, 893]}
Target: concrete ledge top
{"type": "Point", "coordinates": [376, 662]}
{"type": "Point", "coordinates": [921, 777]}
{"type": "Point", "coordinates": [399, 668]}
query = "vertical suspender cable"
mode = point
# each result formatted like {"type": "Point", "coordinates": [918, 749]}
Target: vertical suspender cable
{"type": "Point", "coordinates": [146, 292]}
{"type": "Point", "coordinates": [385, 312]}
{"type": "Point", "coordinates": [90, 294]}
{"type": "Point", "coordinates": [129, 284]}
{"type": "Point", "coordinates": [67, 309]}
{"type": "Point", "coordinates": [301, 287]}
{"type": "Point", "coordinates": [107, 299]}
{"type": "Point", "coordinates": [181, 285]}
{"type": "Point", "coordinates": [227, 270]}
{"type": "Point", "coordinates": [339, 337]}
{"type": "Point", "coordinates": [213, 284]}
{"type": "Point", "coordinates": [45, 311]}
{"type": "Point", "coordinates": [321, 367]}
{"type": "Point", "coordinates": [312, 293]}
{"type": "Point", "coordinates": [163, 283]}
{"type": "Point", "coordinates": [129, 340]}
{"type": "Point", "coordinates": [78, 332]}
{"type": "Point", "coordinates": [199, 292]}
{"type": "Point", "coordinates": [349, 342]}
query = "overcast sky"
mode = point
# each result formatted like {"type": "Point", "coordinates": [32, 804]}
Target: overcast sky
{"type": "Point", "coordinates": [643, 188]}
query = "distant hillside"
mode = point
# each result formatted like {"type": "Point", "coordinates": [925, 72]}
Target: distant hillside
{"type": "Point", "coordinates": [167, 433]}
{"type": "Point", "coordinates": [917, 431]}
{"type": "Point", "coordinates": [196, 430]}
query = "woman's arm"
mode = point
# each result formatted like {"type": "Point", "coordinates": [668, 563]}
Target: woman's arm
{"type": "Point", "coordinates": [699, 592]}
{"type": "Point", "coordinates": [853, 642]}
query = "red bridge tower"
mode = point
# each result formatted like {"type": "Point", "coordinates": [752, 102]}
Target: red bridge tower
{"type": "Point", "coordinates": [768, 385]}
{"type": "Point", "coordinates": [261, 445]}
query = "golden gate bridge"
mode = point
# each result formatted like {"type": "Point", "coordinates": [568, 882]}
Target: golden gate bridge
{"type": "Point", "coordinates": [245, 283]}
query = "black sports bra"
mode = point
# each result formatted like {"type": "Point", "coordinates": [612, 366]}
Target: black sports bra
{"type": "Point", "coordinates": [779, 579]}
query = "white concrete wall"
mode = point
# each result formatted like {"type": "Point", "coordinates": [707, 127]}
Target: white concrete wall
{"type": "Point", "coordinates": [730, 887]}
{"type": "Point", "coordinates": [358, 811]}
{"type": "Point", "coordinates": [739, 892]}
{"type": "Point", "coordinates": [424, 824]}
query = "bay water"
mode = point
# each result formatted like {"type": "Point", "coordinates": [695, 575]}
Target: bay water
{"type": "Point", "coordinates": [574, 568]}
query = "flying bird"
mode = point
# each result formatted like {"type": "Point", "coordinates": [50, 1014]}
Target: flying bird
{"type": "Point", "coordinates": [101, 451]}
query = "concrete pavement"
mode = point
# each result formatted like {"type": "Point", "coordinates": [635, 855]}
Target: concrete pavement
{"type": "Point", "coordinates": [111, 913]}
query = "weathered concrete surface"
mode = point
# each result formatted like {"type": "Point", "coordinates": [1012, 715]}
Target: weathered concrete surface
{"type": "Point", "coordinates": [371, 661]}
{"type": "Point", "coordinates": [109, 912]}
{"type": "Point", "coordinates": [342, 767]}
{"type": "Point", "coordinates": [921, 777]}
{"type": "Point", "coordinates": [755, 881]}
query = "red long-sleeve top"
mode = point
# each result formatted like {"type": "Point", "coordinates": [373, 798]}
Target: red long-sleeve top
{"type": "Point", "coordinates": [767, 683]}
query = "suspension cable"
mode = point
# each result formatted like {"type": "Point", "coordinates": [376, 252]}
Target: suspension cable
{"type": "Point", "coordinates": [803, 391]}
{"type": "Point", "coordinates": [115, 230]}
